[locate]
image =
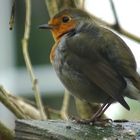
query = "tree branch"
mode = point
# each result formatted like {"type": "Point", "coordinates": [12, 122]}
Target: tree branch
{"type": "Point", "coordinates": [117, 26]}
{"type": "Point", "coordinates": [6, 133]}
{"type": "Point", "coordinates": [115, 14]}
{"type": "Point", "coordinates": [67, 130]}
{"type": "Point", "coordinates": [20, 108]}
{"type": "Point", "coordinates": [4, 98]}
{"type": "Point", "coordinates": [65, 105]}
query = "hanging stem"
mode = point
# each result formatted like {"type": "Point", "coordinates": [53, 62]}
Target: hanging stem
{"type": "Point", "coordinates": [34, 80]}
{"type": "Point", "coordinates": [65, 105]}
{"type": "Point", "coordinates": [115, 14]}
{"type": "Point", "coordinates": [12, 18]}
{"type": "Point", "coordinates": [117, 26]}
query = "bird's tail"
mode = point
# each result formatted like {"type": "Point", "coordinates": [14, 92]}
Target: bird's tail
{"type": "Point", "coordinates": [136, 80]}
{"type": "Point", "coordinates": [132, 91]}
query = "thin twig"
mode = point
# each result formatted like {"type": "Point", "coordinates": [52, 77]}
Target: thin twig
{"type": "Point", "coordinates": [65, 105]}
{"type": "Point", "coordinates": [4, 98]}
{"type": "Point", "coordinates": [83, 4]}
{"type": "Point", "coordinates": [25, 107]}
{"type": "Point", "coordinates": [6, 133]}
{"type": "Point", "coordinates": [80, 4]}
{"type": "Point", "coordinates": [12, 18]}
{"type": "Point", "coordinates": [119, 30]}
{"type": "Point", "coordinates": [117, 26]}
{"type": "Point", "coordinates": [28, 62]}
{"type": "Point", "coordinates": [115, 14]}
{"type": "Point", "coordinates": [128, 34]}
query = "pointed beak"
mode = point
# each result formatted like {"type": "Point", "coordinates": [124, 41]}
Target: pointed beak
{"type": "Point", "coordinates": [46, 26]}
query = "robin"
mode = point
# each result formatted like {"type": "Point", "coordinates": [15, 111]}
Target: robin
{"type": "Point", "coordinates": [93, 63]}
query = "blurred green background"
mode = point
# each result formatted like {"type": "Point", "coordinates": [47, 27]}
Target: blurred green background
{"type": "Point", "coordinates": [40, 41]}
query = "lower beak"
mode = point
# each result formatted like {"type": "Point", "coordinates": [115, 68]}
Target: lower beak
{"type": "Point", "coordinates": [46, 26]}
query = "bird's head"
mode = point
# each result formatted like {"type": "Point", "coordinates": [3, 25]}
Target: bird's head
{"type": "Point", "coordinates": [65, 21]}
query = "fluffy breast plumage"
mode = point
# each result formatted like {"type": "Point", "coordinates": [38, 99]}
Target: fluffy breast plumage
{"type": "Point", "coordinates": [67, 66]}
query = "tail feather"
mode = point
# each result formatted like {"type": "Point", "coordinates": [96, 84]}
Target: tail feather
{"type": "Point", "coordinates": [132, 91]}
{"type": "Point", "coordinates": [123, 103]}
{"type": "Point", "coordinates": [136, 80]}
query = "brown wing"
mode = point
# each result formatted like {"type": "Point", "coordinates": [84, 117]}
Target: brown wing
{"type": "Point", "coordinates": [97, 69]}
{"type": "Point", "coordinates": [107, 79]}
{"type": "Point", "coordinates": [120, 56]}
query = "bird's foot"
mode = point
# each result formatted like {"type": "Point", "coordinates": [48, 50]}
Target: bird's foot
{"type": "Point", "coordinates": [95, 121]}
{"type": "Point", "coordinates": [102, 122]}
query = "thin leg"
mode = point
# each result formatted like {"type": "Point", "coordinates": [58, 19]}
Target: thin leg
{"type": "Point", "coordinates": [99, 113]}
{"type": "Point", "coordinates": [103, 108]}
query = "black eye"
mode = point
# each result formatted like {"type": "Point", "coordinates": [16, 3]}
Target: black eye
{"type": "Point", "coordinates": [65, 19]}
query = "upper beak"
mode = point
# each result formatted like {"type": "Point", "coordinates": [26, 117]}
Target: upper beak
{"type": "Point", "coordinates": [46, 26]}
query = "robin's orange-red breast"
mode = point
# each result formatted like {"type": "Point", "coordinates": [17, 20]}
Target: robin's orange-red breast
{"type": "Point", "coordinates": [92, 62]}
